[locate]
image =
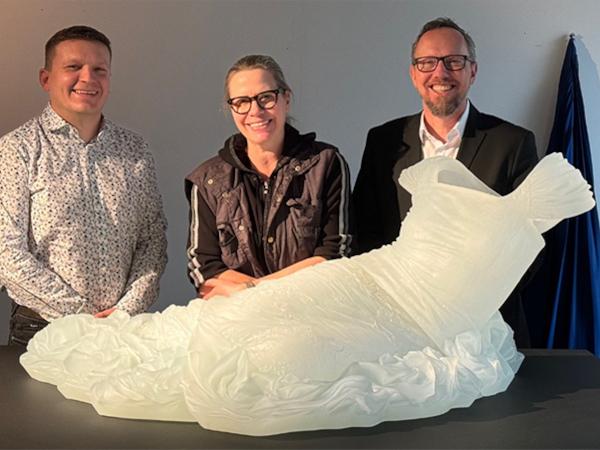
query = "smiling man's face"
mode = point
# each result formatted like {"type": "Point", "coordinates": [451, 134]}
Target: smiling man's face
{"type": "Point", "coordinates": [444, 92]}
{"type": "Point", "coordinates": [78, 79]}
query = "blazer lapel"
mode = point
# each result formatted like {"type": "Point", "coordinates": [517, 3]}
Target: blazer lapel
{"type": "Point", "coordinates": [409, 154]}
{"type": "Point", "coordinates": [410, 150]}
{"type": "Point", "coordinates": [471, 140]}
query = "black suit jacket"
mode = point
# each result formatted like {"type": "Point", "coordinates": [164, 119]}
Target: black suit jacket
{"type": "Point", "coordinates": [497, 152]}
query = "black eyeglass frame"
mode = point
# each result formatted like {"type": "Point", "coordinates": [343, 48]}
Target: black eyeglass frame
{"type": "Point", "coordinates": [255, 99]}
{"type": "Point", "coordinates": [444, 60]}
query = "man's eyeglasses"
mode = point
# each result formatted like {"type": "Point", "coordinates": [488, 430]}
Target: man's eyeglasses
{"type": "Point", "coordinates": [264, 100]}
{"type": "Point", "coordinates": [451, 62]}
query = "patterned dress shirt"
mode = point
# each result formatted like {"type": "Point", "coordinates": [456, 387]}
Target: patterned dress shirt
{"type": "Point", "coordinates": [82, 227]}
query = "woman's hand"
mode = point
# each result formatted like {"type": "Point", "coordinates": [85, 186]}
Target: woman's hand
{"type": "Point", "coordinates": [220, 286]}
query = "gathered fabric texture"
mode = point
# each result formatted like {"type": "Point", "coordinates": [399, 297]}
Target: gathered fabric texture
{"type": "Point", "coordinates": [407, 331]}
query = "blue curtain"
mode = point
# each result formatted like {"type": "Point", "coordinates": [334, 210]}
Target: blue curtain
{"type": "Point", "coordinates": [563, 303]}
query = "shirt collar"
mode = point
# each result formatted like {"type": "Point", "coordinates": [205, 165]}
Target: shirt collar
{"type": "Point", "coordinates": [456, 132]}
{"type": "Point", "coordinates": [53, 122]}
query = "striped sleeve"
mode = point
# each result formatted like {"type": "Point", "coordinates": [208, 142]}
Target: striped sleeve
{"type": "Point", "coordinates": [203, 250]}
{"type": "Point", "coordinates": [336, 230]}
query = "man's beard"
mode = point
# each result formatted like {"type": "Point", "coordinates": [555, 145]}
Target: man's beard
{"type": "Point", "coordinates": [444, 107]}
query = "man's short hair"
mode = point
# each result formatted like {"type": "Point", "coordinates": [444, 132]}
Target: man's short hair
{"type": "Point", "coordinates": [76, 32]}
{"type": "Point", "coordinates": [445, 22]}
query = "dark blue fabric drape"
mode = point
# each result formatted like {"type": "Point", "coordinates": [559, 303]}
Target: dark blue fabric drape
{"type": "Point", "coordinates": [563, 302]}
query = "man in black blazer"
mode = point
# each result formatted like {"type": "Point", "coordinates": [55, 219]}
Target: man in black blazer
{"type": "Point", "coordinates": [499, 153]}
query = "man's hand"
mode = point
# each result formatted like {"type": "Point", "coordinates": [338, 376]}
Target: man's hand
{"type": "Point", "coordinates": [215, 286]}
{"type": "Point", "coordinates": [105, 313]}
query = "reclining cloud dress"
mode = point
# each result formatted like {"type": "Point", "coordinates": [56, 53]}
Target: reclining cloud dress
{"type": "Point", "coordinates": [406, 331]}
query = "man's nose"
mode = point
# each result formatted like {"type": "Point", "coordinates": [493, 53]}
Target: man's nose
{"type": "Point", "coordinates": [86, 73]}
{"type": "Point", "coordinates": [441, 69]}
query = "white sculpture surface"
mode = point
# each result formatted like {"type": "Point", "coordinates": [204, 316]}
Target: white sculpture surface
{"type": "Point", "coordinates": [407, 331]}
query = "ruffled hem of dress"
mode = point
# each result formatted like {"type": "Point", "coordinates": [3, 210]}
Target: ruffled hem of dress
{"type": "Point", "coordinates": [418, 384]}
{"type": "Point", "coordinates": [158, 381]}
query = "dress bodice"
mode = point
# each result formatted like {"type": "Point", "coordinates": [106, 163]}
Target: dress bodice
{"type": "Point", "coordinates": [462, 242]}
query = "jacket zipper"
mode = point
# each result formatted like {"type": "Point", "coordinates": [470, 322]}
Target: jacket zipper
{"type": "Point", "coordinates": [267, 206]}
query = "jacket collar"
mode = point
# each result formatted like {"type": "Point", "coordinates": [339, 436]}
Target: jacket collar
{"type": "Point", "coordinates": [472, 138]}
{"type": "Point", "coordinates": [409, 151]}
{"type": "Point", "coordinates": [294, 147]}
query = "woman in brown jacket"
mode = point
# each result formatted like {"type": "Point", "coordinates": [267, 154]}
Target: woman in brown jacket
{"type": "Point", "coordinates": [272, 201]}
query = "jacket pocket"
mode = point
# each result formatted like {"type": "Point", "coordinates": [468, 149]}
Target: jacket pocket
{"type": "Point", "coordinates": [228, 242]}
{"type": "Point", "coordinates": [305, 222]}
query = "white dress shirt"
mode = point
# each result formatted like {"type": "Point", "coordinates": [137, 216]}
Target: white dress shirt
{"type": "Point", "coordinates": [434, 147]}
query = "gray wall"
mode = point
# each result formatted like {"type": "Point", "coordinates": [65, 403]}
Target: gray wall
{"type": "Point", "coordinates": [347, 62]}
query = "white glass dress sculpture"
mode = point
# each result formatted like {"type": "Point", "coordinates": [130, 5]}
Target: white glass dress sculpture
{"type": "Point", "coordinates": [409, 330]}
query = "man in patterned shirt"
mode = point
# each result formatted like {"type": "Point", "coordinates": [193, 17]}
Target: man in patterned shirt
{"type": "Point", "coordinates": [82, 227]}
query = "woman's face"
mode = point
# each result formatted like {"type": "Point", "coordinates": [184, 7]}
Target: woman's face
{"type": "Point", "coordinates": [261, 127]}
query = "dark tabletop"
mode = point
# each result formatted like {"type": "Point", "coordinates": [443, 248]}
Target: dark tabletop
{"type": "Point", "coordinates": [554, 402]}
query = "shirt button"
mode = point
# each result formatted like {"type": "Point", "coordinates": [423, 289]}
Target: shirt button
{"type": "Point", "coordinates": [241, 228]}
{"type": "Point", "coordinates": [210, 181]}
{"type": "Point", "coordinates": [297, 168]}
{"type": "Point", "coordinates": [270, 239]}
